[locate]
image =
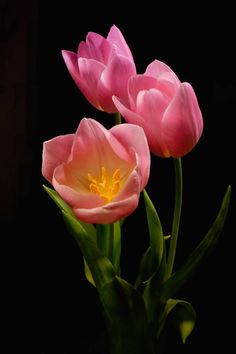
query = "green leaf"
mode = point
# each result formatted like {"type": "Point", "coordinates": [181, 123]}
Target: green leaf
{"type": "Point", "coordinates": [88, 274]}
{"type": "Point", "coordinates": [182, 314]}
{"type": "Point", "coordinates": [126, 318]}
{"type": "Point", "coordinates": [101, 268]}
{"type": "Point", "coordinates": [144, 269]}
{"type": "Point", "coordinates": [155, 233]}
{"type": "Point", "coordinates": [173, 284]}
{"type": "Point", "coordinates": [90, 229]}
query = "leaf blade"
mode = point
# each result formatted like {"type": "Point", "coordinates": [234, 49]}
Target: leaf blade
{"type": "Point", "coordinates": [173, 284]}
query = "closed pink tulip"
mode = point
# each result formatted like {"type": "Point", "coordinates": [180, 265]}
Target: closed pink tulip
{"type": "Point", "coordinates": [99, 173]}
{"type": "Point", "coordinates": [101, 68]}
{"type": "Point", "coordinates": [167, 110]}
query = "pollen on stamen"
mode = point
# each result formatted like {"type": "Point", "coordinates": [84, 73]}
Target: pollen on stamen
{"type": "Point", "coordinates": [92, 179]}
{"type": "Point", "coordinates": [94, 188]}
{"type": "Point", "coordinates": [107, 187]}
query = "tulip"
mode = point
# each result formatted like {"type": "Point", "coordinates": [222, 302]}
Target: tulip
{"type": "Point", "coordinates": [167, 110]}
{"type": "Point", "coordinates": [99, 173]}
{"type": "Point", "coordinates": [101, 68]}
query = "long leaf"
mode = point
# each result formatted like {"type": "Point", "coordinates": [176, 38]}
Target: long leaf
{"type": "Point", "coordinates": [88, 274]}
{"type": "Point", "coordinates": [90, 229]}
{"type": "Point", "coordinates": [155, 234]}
{"type": "Point", "coordinates": [126, 318]}
{"type": "Point", "coordinates": [174, 283]}
{"type": "Point", "coordinates": [182, 314]}
{"type": "Point", "coordinates": [100, 267]}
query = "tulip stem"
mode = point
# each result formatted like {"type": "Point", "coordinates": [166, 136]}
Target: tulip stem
{"type": "Point", "coordinates": [176, 217]}
{"type": "Point", "coordinates": [118, 118]}
{"type": "Point", "coordinates": [105, 239]}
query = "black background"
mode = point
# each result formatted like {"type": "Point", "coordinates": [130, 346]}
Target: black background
{"type": "Point", "coordinates": [49, 307]}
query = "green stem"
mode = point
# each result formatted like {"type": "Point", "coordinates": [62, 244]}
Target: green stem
{"type": "Point", "coordinates": [176, 218]}
{"type": "Point", "coordinates": [117, 246]}
{"type": "Point", "coordinates": [105, 239]}
{"type": "Point", "coordinates": [118, 118]}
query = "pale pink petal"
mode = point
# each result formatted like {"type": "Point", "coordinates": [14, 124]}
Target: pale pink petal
{"type": "Point", "coordinates": [123, 205]}
{"type": "Point", "coordinates": [168, 83]}
{"type": "Point", "coordinates": [116, 38]}
{"type": "Point", "coordinates": [129, 115]}
{"type": "Point", "coordinates": [137, 83]}
{"type": "Point", "coordinates": [90, 73]}
{"type": "Point", "coordinates": [96, 47]}
{"type": "Point", "coordinates": [71, 62]}
{"type": "Point", "coordinates": [151, 105]}
{"type": "Point", "coordinates": [132, 186]}
{"type": "Point", "coordinates": [108, 213]}
{"type": "Point", "coordinates": [157, 68]}
{"type": "Point", "coordinates": [115, 77]}
{"type": "Point", "coordinates": [182, 122]}
{"type": "Point", "coordinates": [151, 132]}
{"type": "Point", "coordinates": [74, 198]}
{"type": "Point", "coordinates": [94, 146]}
{"type": "Point", "coordinates": [132, 136]}
{"type": "Point", "coordinates": [55, 152]}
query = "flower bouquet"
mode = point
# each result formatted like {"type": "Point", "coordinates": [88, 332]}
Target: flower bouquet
{"type": "Point", "coordinates": [99, 174]}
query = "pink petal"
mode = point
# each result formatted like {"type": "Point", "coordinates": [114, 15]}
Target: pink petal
{"type": "Point", "coordinates": [70, 195]}
{"type": "Point", "coordinates": [129, 115]}
{"type": "Point", "coordinates": [137, 83]}
{"type": "Point", "coordinates": [182, 122]}
{"type": "Point", "coordinates": [94, 146]}
{"type": "Point", "coordinates": [123, 205]}
{"type": "Point", "coordinates": [70, 59]}
{"type": "Point", "coordinates": [115, 77]}
{"type": "Point", "coordinates": [132, 136]}
{"type": "Point", "coordinates": [55, 152]}
{"type": "Point", "coordinates": [90, 73]}
{"type": "Point", "coordinates": [151, 105]}
{"type": "Point", "coordinates": [168, 83]}
{"type": "Point", "coordinates": [116, 38]}
{"type": "Point", "coordinates": [108, 213]}
{"type": "Point", "coordinates": [151, 133]}
{"type": "Point", "coordinates": [96, 47]}
{"type": "Point", "coordinates": [157, 68]}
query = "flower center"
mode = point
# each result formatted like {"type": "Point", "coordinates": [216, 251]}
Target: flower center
{"type": "Point", "coordinates": [107, 187]}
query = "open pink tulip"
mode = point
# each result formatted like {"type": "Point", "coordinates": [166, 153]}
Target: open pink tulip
{"type": "Point", "coordinates": [101, 68]}
{"type": "Point", "coordinates": [99, 173]}
{"type": "Point", "coordinates": [167, 110]}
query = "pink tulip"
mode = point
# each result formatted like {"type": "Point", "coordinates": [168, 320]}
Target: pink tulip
{"type": "Point", "coordinates": [101, 68]}
{"type": "Point", "coordinates": [99, 173]}
{"type": "Point", "coordinates": [167, 110]}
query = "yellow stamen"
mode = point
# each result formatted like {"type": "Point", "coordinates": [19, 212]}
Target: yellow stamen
{"type": "Point", "coordinates": [107, 187]}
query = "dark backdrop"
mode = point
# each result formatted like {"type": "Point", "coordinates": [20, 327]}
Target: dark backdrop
{"type": "Point", "coordinates": [48, 305]}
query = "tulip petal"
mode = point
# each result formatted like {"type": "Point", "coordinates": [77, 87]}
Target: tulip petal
{"type": "Point", "coordinates": [116, 38]}
{"type": "Point", "coordinates": [182, 122]}
{"type": "Point", "coordinates": [55, 152]}
{"type": "Point", "coordinates": [167, 80]}
{"type": "Point", "coordinates": [153, 135]}
{"type": "Point", "coordinates": [124, 203]}
{"type": "Point", "coordinates": [137, 83]}
{"type": "Point", "coordinates": [73, 197]}
{"type": "Point", "coordinates": [132, 136]}
{"type": "Point", "coordinates": [96, 47]}
{"type": "Point", "coordinates": [71, 62]}
{"type": "Point", "coordinates": [157, 68]}
{"type": "Point", "coordinates": [108, 213]}
{"type": "Point", "coordinates": [94, 147]}
{"type": "Point", "coordinates": [115, 77]}
{"type": "Point", "coordinates": [90, 73]}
